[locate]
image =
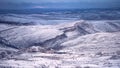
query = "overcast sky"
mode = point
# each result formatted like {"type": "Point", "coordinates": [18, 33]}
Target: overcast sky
{"type": "Point", "coordinates": [26, 4]}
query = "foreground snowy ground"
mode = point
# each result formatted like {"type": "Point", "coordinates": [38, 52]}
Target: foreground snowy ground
{"type": "Point", "coordinates": [81, 44]}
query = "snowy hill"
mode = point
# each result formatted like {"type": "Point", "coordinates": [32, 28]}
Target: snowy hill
{"type": "Point", "coordinates": [25, 36]}
{"type": "Point", "coordinates": [86, 44]}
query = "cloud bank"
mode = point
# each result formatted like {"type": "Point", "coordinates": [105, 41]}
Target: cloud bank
{"type": "Point", "coordinates": [23, 4]}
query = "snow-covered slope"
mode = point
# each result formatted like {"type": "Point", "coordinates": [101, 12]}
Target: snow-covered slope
{"type": "Point", "coordinates": [82, 27]}
{"type": "Point", "coordinates": [86, 44]}
{"type": "Point", "coordinates": [99, 50]}
{"type": "Point", "coordinates": [25, 36]}
{"type": "Point", "coordinates": [32, 19]}
{"type": "Point", "coordinates": [48, 35]}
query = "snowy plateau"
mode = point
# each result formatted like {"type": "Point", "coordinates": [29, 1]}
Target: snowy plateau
{"type": "Point", "coordinates": [78, 44]}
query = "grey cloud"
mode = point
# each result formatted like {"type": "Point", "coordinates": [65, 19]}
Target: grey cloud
{"type": "Point", "coordinates": [20, 4]}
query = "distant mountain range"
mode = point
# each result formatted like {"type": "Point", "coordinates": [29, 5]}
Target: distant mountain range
{"type": "Point", "coordinates": [32, 11]}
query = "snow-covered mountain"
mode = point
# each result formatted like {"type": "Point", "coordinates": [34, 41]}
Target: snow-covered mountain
{"type": "Point", "coordinates": [79, 44]}
{"type": "Point", "coordinates": [57, 16]}
{"type": "Point", "coordinates": [25, 36]}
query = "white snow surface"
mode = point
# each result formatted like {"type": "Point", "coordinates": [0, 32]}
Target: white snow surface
{"type": "Point", "coordinates": [88, 44]}
{"type": "Point", "coordinates": [24, 36]}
